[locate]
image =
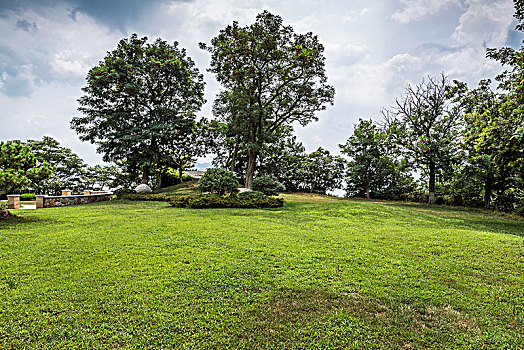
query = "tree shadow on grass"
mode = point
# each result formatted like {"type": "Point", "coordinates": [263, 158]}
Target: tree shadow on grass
{"type": "Point", "coordinates": [468, 218]}
{"type": "Point", "coordinates": [16, 220]}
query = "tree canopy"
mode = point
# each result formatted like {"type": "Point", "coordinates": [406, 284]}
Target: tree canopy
{"type": "Point", "coordinates": [19, 167]}
{"type": "Point", "coordinates": [271, 77]}
{"type": "Point", "coordinates": [138, 101]}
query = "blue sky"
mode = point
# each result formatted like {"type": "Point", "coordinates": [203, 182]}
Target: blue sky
{"type": "Point", "coordinates": [373, 49]}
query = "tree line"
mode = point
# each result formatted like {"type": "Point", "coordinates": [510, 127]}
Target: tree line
{"type": "Point", "coordinates": [442, 142]}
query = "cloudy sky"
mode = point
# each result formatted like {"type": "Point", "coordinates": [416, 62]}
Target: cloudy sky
{"type": "Point", "coordinates": [373, 49]}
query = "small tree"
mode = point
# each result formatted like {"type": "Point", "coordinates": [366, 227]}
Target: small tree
{"type": "Point", "coordinates": [267, 184]}
{"type": "Point", "coordinates": [69, 168]}
{"type": "Point", "coordinates": [218, 181]}
{"type": "Point", "coordinates": [18, 167]}
{"type": "Point", "coordinates": [374, 166]}
{"type": "Point", "coordinates": [271, 77]}
{"type": "Point", "coordinates": [324, 171]}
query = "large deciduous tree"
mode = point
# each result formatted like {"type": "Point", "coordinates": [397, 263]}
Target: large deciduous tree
{"type": "Point", "coordinates": [271, 77]}
{"type": "Point", "coordinates": [428, 120]}
{"type": "Point", "coordinates": [141, 98]}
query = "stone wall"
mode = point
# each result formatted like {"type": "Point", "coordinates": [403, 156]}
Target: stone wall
{"type": "Point", "coordinates": [60, 201]}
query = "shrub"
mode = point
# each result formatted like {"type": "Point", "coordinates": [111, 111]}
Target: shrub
{"type": "Point", "coordinates": [267, 184]}
{"type": "Point", "coordinates": [249, 195]}
{"type": "Point", "coordinates": [145, 197]}
{"type": "Point", "coordinates": [4, 213]}
{"type": "Point", "coordinates": [123, 191]}
{"type": "Point", "coordinates": [27, 197]}
{"type": "Point", "coordinates": [215, 201]}
{"type": "Point", "coordinates": [218, 181]}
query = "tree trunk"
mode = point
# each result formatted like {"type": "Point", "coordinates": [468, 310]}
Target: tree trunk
{"type": "Point", "coordinates": [181, 174]}
{"type": "Point", "coordinates": [145, 175]}
{"type": "Point", "coordinates": [366, 186]}
{"type": "Point", "coordinates": [251, 163]}
{"type": "Point", "coordinates": [431, 199]}
{"type": "Point", "coordinates": [488, 189]}
{"type": "Point", "coordinates": [234, 155]}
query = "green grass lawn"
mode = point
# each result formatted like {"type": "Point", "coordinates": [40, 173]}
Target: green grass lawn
{"type": "Point", "coordinates": [317, 273]}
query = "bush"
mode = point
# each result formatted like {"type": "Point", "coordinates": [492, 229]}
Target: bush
{"type": "Point", "coordinates": [218, 181]}
{"type": "Point", "coordinates": [4, 213]}
{"type": "Point", "coordinates": [123, 191]}
{"type": "Point", "coordinates": [27, 197]}
{"type": "Point", "coordinates": [215, 201]}
{"type": "Point", "coordinates": [249, 195]}
{"type": "Point", "coordinates": [267, 184]}
{"type": "Point", "coordinates": [159, 197]}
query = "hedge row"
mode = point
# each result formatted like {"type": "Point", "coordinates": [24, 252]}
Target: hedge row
{"type": "Point", "coordinates": [215, 201]}
{"type": "Point", "coordinates": [145, 197]}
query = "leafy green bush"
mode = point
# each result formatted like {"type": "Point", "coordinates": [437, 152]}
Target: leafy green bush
{"type": "Point", "coordinates": [4, 213]}
{"type": "Point", "coordinates": [218, 181]}
{"type": "Point", "coordinates": [123, 191]}
{"type": "Point", "coordinates": [249, 195]}
{"type": "Point", "coordinates": [27, 197]}
{"type": "Point", "coordinates": [145, 197]}
{"type": "Point", "coordinates": [215, 201]}
{"type": "Point", "coordinates": [267, 184]}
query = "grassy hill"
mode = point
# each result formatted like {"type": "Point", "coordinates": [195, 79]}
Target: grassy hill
{"type": "Point", "coordinates": [317, 273]}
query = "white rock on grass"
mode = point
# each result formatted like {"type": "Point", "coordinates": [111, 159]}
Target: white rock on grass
{"type": "Point", "coordinates": [243, 189]}
{"type": "Point", "coordinates": [143, 188]}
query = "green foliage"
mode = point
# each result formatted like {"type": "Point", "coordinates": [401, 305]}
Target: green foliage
{"type": "Point", "coordinates": [69, 169]}
{"type": "Point", "coordinates": [218, 181]}
{"type": "Point", "coordinates": [216, 201]}
{"type": "Point", "coordinates": [27, 196]}
{"type": "Point", "coordinates": [250, 195]}
{"type": "Point", "coordinates": [160, 197]}
{"type": "Point", "coordinates": [139, 104]}
{"type": "Point", "coordinates": [375, 168]}
{"type": "Point", "coordinates": [267, 184]}
{"type": "Point", "coordinates": [123, 191]}
{"type": "Point", "coordinates": [100, 178]}
{"type": "Point", "coordinates": [271, 77]}
{"type": "Point", "coordinates": [19, 168]}
{"type": "Point", "coordinates": [323, 171]}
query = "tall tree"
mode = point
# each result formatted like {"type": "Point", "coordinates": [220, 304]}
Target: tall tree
{"type": "Point", "coordinates": [512, 81]}
{"type": "Point", "coordinates": [271, 77]}
{"type": "Point", "coordinates": [428, 121]}
{"type": "Point", "coordinates": [19, 167]}
{"type": "Point", "coordinates": [140, 98]}
{"type": "Point", "coordinates": [69, 168]}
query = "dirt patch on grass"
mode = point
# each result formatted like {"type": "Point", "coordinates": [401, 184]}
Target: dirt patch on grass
{"type": "Point", "coordinates": [395, 324]}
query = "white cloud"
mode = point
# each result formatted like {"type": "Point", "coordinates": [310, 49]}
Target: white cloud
{"type": "Point", "coordinates": [48, 53]}
{"type": "Point", "coordinates": [354, 15]}
{"type": "Point", "coordinates": [416, 10]}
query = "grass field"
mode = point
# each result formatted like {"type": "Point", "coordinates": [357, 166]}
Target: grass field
{"type": "Point", "coordinates": [317, 273]}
